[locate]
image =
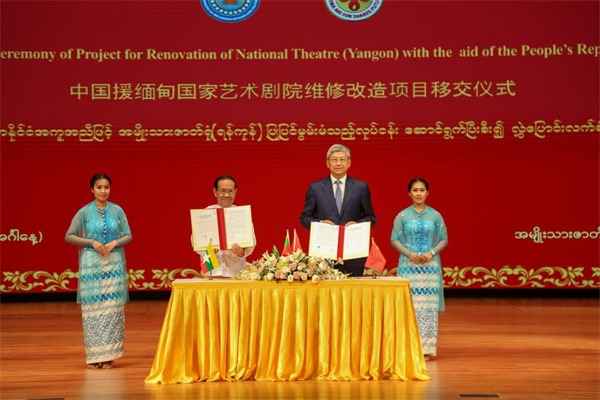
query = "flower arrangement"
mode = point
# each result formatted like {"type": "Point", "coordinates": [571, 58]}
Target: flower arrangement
{"type": "Point", "coordinates": [296, 266]}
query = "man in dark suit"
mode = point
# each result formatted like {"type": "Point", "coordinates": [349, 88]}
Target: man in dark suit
{"type": "Point", "coordinates": [338, 190]}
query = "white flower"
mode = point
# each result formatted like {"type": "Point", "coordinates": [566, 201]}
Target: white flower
{"type": "Point", "coordinates": [269, 276]}
{"type": "Point", "coordinates": [303, 276]}
{"type": "Point", "coordinates": [316, 278]}
{"type": "Point", "coordinates": [290, 278]}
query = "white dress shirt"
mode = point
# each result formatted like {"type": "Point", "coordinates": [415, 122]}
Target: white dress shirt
{"type": "Point", "coordinates": [230, 264]}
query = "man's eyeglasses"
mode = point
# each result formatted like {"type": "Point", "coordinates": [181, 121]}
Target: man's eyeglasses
{"type": "Point", "coordinates": [223, 192]}
{"type": "Point", "coordinates": [338, 160]}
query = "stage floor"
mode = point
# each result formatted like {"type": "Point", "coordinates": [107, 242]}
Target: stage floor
{"type": "Point", "coordinates": [504, 348]}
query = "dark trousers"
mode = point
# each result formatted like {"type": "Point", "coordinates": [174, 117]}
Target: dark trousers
{"type": "Point", "coordinates": [355, 267]}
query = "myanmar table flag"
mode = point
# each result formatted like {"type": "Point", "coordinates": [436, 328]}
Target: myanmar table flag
{"type": "Point", "coordinates": [375, 260]}
{"type": "Point", "coordinates": [286, 245]}
{"type": "Point", "coordinates": [210, 260]}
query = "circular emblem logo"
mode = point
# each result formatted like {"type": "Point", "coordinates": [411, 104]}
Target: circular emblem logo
{"type": "Point", "coordinates": [353, 10]}
{"type": "Point", "coordinates": [230, 10]}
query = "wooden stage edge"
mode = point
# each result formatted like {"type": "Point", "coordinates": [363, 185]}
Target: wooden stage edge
{"type": "Point", "coordinates": [502, 345]}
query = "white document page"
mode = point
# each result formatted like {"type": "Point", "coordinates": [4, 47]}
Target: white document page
{"type": "Point", "coordinates": [238, 226]}
{"type": "Point", "coordinates": [205, 228]}
{"type": "Point", "coordinates": [323, 240]}
{"type": "Point", "coordinates": [356, 240]}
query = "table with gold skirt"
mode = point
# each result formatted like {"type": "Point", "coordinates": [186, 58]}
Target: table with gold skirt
{"type": "Point", "coordinates": [232, 330]}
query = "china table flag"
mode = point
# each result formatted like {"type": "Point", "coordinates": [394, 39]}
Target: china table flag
{"type": "Point", "coordinates": [286, 245]}
{"type": "Point", "coordinates": [296, 245]}
{"type": "Point", "coordinates": [375, 260]}
{"type": "Point", "coordinates": [210, 260]}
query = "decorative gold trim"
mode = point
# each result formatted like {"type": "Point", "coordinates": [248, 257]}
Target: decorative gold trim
{"type": "Point", "coordinates": [519, 277]}
{"type": "Point", "coordinates": [46, 281]}
{"type": "Point", "coordinates": [43, 281]}
{"type": "Point", "coordinates": [385, 272]}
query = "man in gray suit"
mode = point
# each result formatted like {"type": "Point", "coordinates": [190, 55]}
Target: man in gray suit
{"type": "Point", "coordinates": [339, 200]}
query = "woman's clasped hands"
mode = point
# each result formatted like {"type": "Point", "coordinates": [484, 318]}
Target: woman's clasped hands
{"type": "Point", "coordinates": [104, 250]}
{"type": "Point", "coordinates": [419, 258]}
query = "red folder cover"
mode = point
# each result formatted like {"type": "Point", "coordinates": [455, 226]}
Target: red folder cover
{"type": "Point", "coordinates": [221, 224]}
{"type": "Point", "coordinates": [340, 249]}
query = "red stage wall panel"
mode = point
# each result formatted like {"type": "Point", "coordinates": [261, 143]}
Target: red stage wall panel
{"type": "Point", "coordinates": [496, 104]}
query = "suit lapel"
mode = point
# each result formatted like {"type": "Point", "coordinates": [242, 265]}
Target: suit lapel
{"type": "Point", "coordinates": [348, 191]}
{"type": "Point", "coordinates": [328, 192]}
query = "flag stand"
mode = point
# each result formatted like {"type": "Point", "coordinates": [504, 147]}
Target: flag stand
{"type": "Point", "coordinates": [210, 260]}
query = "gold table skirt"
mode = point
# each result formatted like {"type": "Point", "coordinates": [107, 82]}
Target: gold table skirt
{"type": "Point", "coordinates": [230, 330]}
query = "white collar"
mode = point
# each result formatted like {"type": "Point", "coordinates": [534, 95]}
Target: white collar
{"type": "Point", "coordinates": [342, 179]}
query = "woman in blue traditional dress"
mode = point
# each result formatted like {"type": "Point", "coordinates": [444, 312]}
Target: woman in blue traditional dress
{"type": "Point", "coordinates": [100, 230]}
{"type": "Point", "coordinates": [419, 234]}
